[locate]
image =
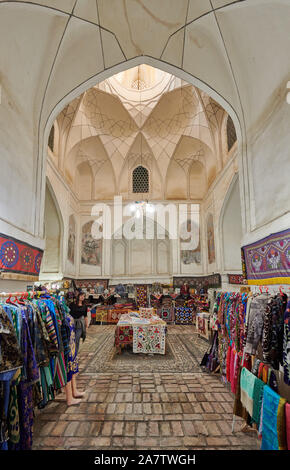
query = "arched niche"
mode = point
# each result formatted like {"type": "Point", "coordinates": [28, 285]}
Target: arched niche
{"type": "Point", "coordinates": [71, 244]}
{"type": "Point", "coordinates": [197, 181]}
{"type": "Point", "coordinates": [53, 230]}
{"type": "Point", "coordinates": [176, 182]}
{"type": "Point", "coordinates": [231, 229]}
{"type": "Point", "coordinates": [84, 181]}
{"type": "Point", "coordinates": [119, 257]}
{"type": "Point", "coordinates": [145, 256]}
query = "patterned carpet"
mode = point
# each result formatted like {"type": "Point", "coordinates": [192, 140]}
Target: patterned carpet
{"type": "Point", "coordinates": [184, 351]}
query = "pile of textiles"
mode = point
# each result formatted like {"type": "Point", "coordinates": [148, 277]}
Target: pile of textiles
{"type": "Point", "coordinates": [141, 295]}
{"type": "Point", "coordinates": [38, 357]}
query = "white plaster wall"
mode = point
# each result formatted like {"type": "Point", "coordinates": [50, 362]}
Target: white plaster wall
{"type": "Point", "coordinates": [214, 204]}
{"type": "Point", "coordinates": [232, 231]}
{"type": "Point", "coordinates": [51, 261]}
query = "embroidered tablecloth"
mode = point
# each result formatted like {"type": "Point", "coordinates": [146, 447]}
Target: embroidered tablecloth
{"type": "Point", "coordinates": [146, 335]}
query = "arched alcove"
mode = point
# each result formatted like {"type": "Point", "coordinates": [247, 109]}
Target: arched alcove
{"type": "Point", "coordinates": [53, 230]}
{"type": "Point", "coordinates": [84, 181]}
{"type": "Point", "coordinates": [231, 229]}
{"type": "Point", "coordinates": [197, 181]}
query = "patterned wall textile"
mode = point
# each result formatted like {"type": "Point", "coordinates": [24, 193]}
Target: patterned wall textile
{"type": "Point", "coordinates": [184, 315]}
{"type": "Point", "coordinates": [101, 315]}
{"type": "Point", "coordinates": [268, 260]}
{"type": "Point", "coordinates": [123, 336]}
{"type": "Point", "coordinates": [202, 325]}
{"type": "Point", "coordinates": [236, 279]}
{"type": "Point", "coordinates": [91, 283]}
{"type": "Point", "coordinates": [203, 282]}
{"type": "Point", "coordinates": [149, 339]}
{"type": "Point", "coordinates": [19, 257]}
{"type": "Point", "coordinates": [167, 314]}
{"type": "Point", "coordinates": [141, 295]}
{"type": "Point", "coordinates": [115, 314]}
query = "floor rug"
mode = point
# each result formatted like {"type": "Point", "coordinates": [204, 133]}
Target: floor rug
{"type": "Point", "coordinates": [184, 351]}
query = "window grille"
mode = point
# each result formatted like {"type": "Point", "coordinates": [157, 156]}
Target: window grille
{"type": "Point", "coordinates": [140, 180]}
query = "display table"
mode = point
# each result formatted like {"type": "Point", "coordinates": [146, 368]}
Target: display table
{"type": "Point", "coordinates": [147, 335]}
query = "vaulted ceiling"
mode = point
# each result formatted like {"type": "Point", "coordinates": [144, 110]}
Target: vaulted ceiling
{"type": "Point", "coordinates": [52, 51]}
{"type": "Point", "coordinates": [141, 117]}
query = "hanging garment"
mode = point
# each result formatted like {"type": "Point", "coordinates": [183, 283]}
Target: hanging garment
{"type": "Point", "coordinates": [255, 323]}
{"type": "Point", "coordinates": [13, 410]}
{"type": "Point", "coordinates": [273, 421]}
{"type": "Point", "coordinates": [272, 340]}
{"type": "Point", "coordinates": [287, 418]}
{"type": "Point", "coordinates": [258, 400]}
{"type": "Point", "coordinates": [239, 409]}
{"type": "Point", "coordinates": [71, 353]}
{"type": "Point", "coordinates": [286, 345]}
{"type": "Point", "coordinates": [10, 354]}
{"type": "Point", "coordinates": [247, 383]}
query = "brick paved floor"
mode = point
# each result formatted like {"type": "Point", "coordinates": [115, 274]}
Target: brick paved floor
{"type": "Point", "coordinates": [143, 411]}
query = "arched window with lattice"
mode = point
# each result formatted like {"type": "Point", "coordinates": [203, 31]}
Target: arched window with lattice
{"type": "Point", "coordinates": [51, 139]}
{"type": "Point", "coordinates": [231, 133]}
{"type": "Point", "coordinates": [140, 180]}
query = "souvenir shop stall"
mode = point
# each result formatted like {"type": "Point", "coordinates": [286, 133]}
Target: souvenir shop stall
{"type": "Point", "coordinates": [177, 305]}
{"type": "Point", "coordinates": [38, 359]}
{"type": "Point", "coordinates": [143, 331]}
{"type": "Point", "coordinates": [251, 343]}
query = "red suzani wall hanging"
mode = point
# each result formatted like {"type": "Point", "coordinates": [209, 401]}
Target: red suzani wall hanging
{"type": "Point", "coordinates": [19, 257]}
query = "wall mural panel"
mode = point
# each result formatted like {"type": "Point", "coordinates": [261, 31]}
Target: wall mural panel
{"type": "Point", "coordinates": [190, 256]}
{"type": "Point", "coordinates": [210, 240]}
{"type": "Point", "coordinates": [71, 239]}
{"type": "Point", "coordinates": [91, 249]}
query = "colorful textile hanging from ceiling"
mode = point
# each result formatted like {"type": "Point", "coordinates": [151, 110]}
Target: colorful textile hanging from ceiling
{"type": "Point", "coordinates": [19, 257]}
{"type": "Point", "coordinates": [268, 260]}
